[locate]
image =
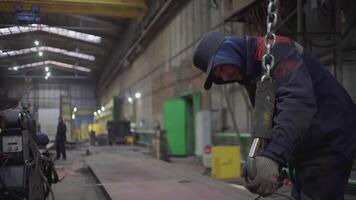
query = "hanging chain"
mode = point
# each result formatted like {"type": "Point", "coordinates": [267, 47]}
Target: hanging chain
{"type": "Point", "coordinates": [270, 39]}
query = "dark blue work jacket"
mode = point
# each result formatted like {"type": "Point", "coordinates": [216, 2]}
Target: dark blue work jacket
{"type": "Point", "coordinates": [315, 118]}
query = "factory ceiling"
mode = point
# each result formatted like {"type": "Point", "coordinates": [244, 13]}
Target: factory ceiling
{"type": "Point", "coordinates": [74, 37]}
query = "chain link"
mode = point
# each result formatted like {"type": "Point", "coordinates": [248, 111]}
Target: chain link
{"type": "Point", "coordinates": [270, 39]}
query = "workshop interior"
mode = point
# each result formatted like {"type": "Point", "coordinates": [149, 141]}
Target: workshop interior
{"type": "Point", "coordinates": [107, 99]}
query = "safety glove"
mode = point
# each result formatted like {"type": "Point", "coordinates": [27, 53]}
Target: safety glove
{"type": "Point", "coordinates": [262, 176]}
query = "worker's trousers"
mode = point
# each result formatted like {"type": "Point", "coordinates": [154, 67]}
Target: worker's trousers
{"type": "Point", "coordinates": [60, 147]}
{"type": "Point", "coordinates": [321, 182]}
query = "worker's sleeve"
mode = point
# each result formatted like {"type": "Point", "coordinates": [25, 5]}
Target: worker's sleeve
{"type": "Point", "coordinates": [295, 104]}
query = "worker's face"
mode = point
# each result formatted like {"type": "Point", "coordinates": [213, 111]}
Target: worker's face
{"type": "Point", "coordinates": [227, 72]}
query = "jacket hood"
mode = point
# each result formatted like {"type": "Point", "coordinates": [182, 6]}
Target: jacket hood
{"type": "Point", "coordinates": [238, 52]}
{"type": "Point", "coordinates": [232, 51]}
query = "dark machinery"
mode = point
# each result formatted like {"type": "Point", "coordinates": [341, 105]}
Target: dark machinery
{"type": "Point", "coordinates": [117, 131]}
{"type": "Point", "coordinates": [25, 172]}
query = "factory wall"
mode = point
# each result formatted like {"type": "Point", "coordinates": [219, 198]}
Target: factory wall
{"type": "Point", "coordinates": [46, 94]}
{"type": "Point", "coordinates": [164, 70]}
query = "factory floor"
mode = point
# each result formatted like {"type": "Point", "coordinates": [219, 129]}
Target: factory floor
{"type": "Point", "coordinates": [77, 182]}
{"type": "Point", "coordinates": [130, 173]}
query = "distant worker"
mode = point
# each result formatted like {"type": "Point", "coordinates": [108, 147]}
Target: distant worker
{"type": "Point", "coordinates": [92, 136]}
{"type": "Point", "coordinates": [111, 136]}
{"type": "Point", "coordinates": [314, 121]}
{"type": "Point", "coordinates": [61, 139]}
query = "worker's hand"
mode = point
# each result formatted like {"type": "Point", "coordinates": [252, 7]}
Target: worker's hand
{"type": "Point", "coordinates": [262, 174]}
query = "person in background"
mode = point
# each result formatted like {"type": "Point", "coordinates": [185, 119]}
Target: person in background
{"type": "Point", "coordinates": [61, 139]}
{"type": "Point", "coordinates": [111, 137]}
{"type": "Point", "coordinates": [92, 136]}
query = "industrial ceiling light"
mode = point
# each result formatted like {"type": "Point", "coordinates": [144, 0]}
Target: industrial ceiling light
{"type": "Point", "coordinates": [99, 111]}
{"type": "Point", "coordinates": [73, 116]}
{"type": "Point", "coordinates": [75, 109]}
{"type": "Point", "coordinates": [47, 69]}
{"type": "Point", "coordinates": [36, 42]}
{"type": "Point", "coordinates": [48, 74]}
{"type": "Point", "coordinates": [130, 100]}
{"type": "Point", "coordinates": [46, 77]}
{"type": "Point", "coordinates": [138, 95]}
{"type": "Point", "coordinates": [15, 68]}
{"type": "Point", "coordinates": [102, 108]}
{"type": "Point", "coordinates": [40, 53]}
{"type": "Point", "coordinates": [95, 114]}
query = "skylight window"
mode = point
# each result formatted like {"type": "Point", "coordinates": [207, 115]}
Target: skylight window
{"type": "Point", "coordinates": [54, 30]}
{"type": "Point", "coordinates": [50, 49]}
{"type": "Point", "coordinates": [50, 62]}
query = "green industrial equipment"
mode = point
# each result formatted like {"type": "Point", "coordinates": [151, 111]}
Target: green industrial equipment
{"type": "Point", "coordinates": [175, 123]}
{"type": "Point", "coordinates": [179, 122]}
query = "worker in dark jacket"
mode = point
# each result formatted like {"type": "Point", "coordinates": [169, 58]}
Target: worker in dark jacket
{"type": "Point", "coordinates": [313, 128]}
{"type": "Point", "coordinates": [61, 139]}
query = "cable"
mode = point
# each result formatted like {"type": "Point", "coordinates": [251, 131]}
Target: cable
{"type": "Point", "coordinates": [34, 149]}
{"type": "Point", "coordinates": [48, 185]}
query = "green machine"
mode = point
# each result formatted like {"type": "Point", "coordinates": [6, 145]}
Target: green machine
{"type": "Point", "coordinates": [174, 115]}
{"type": "Point", "coordinates": [178, 122]}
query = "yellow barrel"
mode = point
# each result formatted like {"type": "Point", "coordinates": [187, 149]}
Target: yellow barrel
{"type": "Point", "coordinates": [130, 140]}
{"type": "Point", "coordinates": [226, 162]}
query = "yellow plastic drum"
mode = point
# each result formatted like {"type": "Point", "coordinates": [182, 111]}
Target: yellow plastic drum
{"type": "Point", "coordinates": [226, 162]}
{"type": "Point", "coordinates": [130, 140]}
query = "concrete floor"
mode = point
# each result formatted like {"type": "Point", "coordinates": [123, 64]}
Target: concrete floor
{"type": "Point", "coordinates": [78, 182]}
{"type": "Point", "coordinates": [128, 173]}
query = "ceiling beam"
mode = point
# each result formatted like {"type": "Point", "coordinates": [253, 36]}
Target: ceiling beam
{"type": "Point", "coordinates": [46, 50]}
{"type": "Point", "coordinates": [74, 77]}
{"type": "Point", "coordinates": [110, 30]}
{"type": "Point", "coordinates": [107, 8]}
{"type": "Point", "coordinates": [33, 57]}
{"type": "Point", "coordinates": [48, 63]}
{"type": "Point", "coordinates": [21, 41]}
{"type": "Point", "coordinates": [41, 67]}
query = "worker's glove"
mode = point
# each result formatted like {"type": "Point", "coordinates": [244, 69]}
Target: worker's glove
{"type": "Point", "coordinates": [261, 174]}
